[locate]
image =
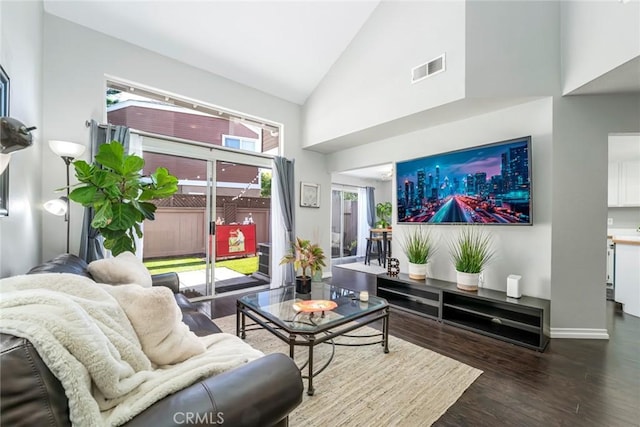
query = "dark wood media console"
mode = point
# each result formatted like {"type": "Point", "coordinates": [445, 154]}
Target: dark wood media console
{"type": "Point", "coordinates": [523, 321]}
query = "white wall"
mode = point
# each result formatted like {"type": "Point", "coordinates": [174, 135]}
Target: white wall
{"type": "Point", "coordinates": [512, 48]}
{"type": "Point", "coordinates": [581, 128]}
{"type": "Point", "coordinates": [562, 256]}
{"type": "Point", "coordinates": [341, 179]}
{"type": "Point", "coordinates": [21, 57]}
{"type": "Point", "coordinates": [496, 52]}
{"type": "Point", "coordinates": [382, 189]}
{"type": "Point", "coordinates": [76, 60]}
{"type": "Point", "coordinates": [384, 192]}
{"type": "Point", "coordinates": [370, 82]}
{"type": "Point", "coordinates": [523, 250]}
{"type": "Point", "coordinates": [624, 217]}
{"type": "Point", "coordinates": [596, 37]}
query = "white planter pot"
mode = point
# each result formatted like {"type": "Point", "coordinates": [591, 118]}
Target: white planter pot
{"type": "Point", "coordinates": [467, 281]}
{"type": "Point", "coordinates": [417, 271]}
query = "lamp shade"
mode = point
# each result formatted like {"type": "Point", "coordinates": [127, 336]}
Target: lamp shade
{"type": "Point", "coordinates": [57, 206]}
{"type": "Point", "coordinates": [66, 148]}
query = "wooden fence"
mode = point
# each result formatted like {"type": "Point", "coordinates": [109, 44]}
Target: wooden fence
{"type": "Point", "coordinates": [179, 231]}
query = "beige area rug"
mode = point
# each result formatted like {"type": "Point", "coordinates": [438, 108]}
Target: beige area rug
{"type": "Point", "coordinates": [360, 266]}
{"type": "Point", "coordinates": [409, 386]}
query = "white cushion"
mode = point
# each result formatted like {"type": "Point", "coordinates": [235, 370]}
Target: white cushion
{"type": "Point", "coordinates": [157, 320]}
{"type": "Point", "coordinates": [126, 268]}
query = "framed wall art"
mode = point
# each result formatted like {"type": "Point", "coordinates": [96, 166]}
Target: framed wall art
{"type": "Point", "coordinates": [488, 184]}
{"type": "Point", "coordinates": [309, 195]}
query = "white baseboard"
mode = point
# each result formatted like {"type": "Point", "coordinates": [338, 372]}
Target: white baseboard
{"type": "Point", "coordinates": [580, 333]}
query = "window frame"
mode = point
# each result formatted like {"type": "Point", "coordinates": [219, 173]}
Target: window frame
{"type": "Point", "coordinates": [4, 111]}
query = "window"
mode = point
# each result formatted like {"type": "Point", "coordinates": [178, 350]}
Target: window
{"type": "Point", "coordinates": [4, 174]}
{"type": "Point", "coordinates": [241, 143]}
{"type": "Point", "coordinates": [163, 114]}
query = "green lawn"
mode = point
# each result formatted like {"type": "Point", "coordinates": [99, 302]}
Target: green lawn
{"type": "Point", "coordinates": [241, 265]}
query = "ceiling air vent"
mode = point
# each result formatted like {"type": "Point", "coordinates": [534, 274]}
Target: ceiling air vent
{"type": "Point", "coordinates": [435, 66]}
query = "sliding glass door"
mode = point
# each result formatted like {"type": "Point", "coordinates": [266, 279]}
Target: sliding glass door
{"type": "Point", "coordinates": [179, 239]}
{"type": "Point", "coordinates": [210, 232]}
{"type": "Point", "coordinates": [242, 218]}
{"type": "Point", "coordinates": [344, 223]}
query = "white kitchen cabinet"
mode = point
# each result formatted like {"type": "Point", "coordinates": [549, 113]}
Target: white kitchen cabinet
{"type": "Point", "coordinates": [627, 273]}
{"type": "Point", "coordinates": [630, 183]}
{"type": "Point", "coordinates": [614, 184]}
{"type": "Point", "coordinates": [624, 183]}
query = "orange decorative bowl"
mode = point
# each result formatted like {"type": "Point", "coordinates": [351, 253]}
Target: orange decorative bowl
{"type": "Point", "coordinates": [309, 306]}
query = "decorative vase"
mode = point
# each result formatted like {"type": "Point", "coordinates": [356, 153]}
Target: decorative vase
{"type": "Point", "coordinates": [467, 281]}
{"type": "Point", "coordinates": [317, 276]}
{"type": "Point", "coordinates": [417, 271]}
{"type": "Point", "coordinates": [303, 284]}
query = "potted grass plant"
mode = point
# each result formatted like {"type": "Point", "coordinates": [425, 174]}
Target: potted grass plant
{"type": "Point", "coordinates": [306, 257]}
{"type": "Point", "coordinates": [418, 246]}
{"type": "Point", "coordinates": [470, 252]}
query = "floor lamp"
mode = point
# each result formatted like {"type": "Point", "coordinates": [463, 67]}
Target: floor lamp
{"type": "Point", "coordinates": [68, 151]}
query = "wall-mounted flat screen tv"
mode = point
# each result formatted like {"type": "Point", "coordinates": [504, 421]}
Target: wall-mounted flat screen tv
{"type": "Point", "coordinates": [488, 184]}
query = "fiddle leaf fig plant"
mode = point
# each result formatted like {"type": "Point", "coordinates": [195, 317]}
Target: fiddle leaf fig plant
{"type": "Point", "coordinates": [119, 194]}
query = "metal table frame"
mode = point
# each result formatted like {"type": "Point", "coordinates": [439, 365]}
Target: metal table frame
{"type": "Point", "coordinates": [310, 339]}
{"type": "Point", "coordinates": [385, 239]}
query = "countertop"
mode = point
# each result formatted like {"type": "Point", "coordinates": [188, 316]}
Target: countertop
{"type": "Point", "coordinates": [626, 240]}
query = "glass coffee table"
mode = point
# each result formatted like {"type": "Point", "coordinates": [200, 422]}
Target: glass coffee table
{"type": "Point", "coordinates": [299, 319]}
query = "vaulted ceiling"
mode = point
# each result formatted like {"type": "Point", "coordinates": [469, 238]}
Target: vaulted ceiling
{"type": "Point", "coordinates": [283, 48]}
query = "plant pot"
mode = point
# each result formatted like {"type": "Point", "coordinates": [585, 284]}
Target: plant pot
{"type": "Point", "coordinates": [467, 281]}
{"type": "Point", "coordinates": [303, 284]}
{"type": "Point", "coordinates": [417, 271]}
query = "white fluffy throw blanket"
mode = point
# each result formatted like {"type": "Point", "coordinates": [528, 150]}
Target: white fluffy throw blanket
{"type": "Point", "coordinates": [87, 341]}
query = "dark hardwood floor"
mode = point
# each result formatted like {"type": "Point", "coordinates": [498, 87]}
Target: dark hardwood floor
{"type": "Point", "coordinates": [573, 383]}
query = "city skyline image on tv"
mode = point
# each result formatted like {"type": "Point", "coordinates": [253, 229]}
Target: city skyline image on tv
{"type": "Point", "coordinates": [489, 184]}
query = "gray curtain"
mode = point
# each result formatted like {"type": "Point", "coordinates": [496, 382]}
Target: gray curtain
{"type": "Point", "coordinates": [90, 244]}
{"type": "Point", "coordinates": [284, 175]}
{"type": "Point", "coordinates": [371, 207]}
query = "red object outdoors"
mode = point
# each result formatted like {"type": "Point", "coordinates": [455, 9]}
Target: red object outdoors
{"type": "Point", "coordinates": [234, 241]}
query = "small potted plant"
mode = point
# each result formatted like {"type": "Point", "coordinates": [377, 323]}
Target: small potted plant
{"type": "Point", "coordinates": [353, 247]}
{"type": "Point", "coordinates": [418, 246]}
{"type": "Point", "coordinates": [383, 211]}
{"type": "Point", "coordinates": [307, 257]}
{"type": "Point", "coordinates": [470, 252]}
